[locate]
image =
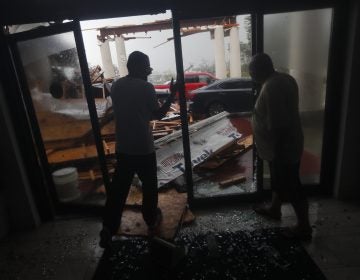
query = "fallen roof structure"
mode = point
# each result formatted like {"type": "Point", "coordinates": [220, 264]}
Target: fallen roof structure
{"type": "Point", "coordinates": [186, 25]}
{"type": "Point", "coordinates": [207, 138]}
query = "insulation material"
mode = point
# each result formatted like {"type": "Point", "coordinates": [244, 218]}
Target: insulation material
{"type": "Point", "coordinates": [207, 138]}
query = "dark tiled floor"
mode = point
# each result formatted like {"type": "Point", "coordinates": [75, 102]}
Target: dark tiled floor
{"type": "Point", "coordinates": [68, 248]}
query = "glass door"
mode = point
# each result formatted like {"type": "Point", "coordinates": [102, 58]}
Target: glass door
{"type": "Point", "coordinates": [62, 110]}
{"type": "Point", "coordinates": [298, 42]}
{"type": "Point", "coordinates": [219, 96]}
{"type": "Point", "coordinates": [108, 44]}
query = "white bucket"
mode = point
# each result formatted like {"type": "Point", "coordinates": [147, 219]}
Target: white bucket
{"type": "Point", "coordinates": [66, 184]}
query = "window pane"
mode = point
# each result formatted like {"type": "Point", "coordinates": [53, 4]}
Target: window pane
{"type": "Point", "coordinates": [53, 73]}
{"type": "Point", "coordinates": [220, 142]}
{"type": "Point", "coordinates": [152, 35]}
{"type": "Point", "coordinates": [298, 43]}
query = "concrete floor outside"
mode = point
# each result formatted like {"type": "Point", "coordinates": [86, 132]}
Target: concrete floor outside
{"type": "Point", "coordinates": [68, 247]}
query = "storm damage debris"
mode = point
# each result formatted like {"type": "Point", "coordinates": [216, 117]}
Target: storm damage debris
{"type": "Point", "coordinates": [213, 142]}
{"type": "Point", "coordinates": [228, 152]}
{"type": "Point", "coordinates": [169, 124]}
{"type": "Point", "coordinates": [232, 180]}
{"type": "Point", "coordinates": [258, 254]}
{"type": "Point", "coordinates": [207, 138]}
{"type": "Point", "coordinates": [69, 141]}
{"type": "Point", "coordinates": [73, 144]}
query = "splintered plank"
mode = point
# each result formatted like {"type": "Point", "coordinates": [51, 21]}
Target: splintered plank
{"type": "Point", "coordinates": [167, 122]}
{"type": "Point", "coordinates": [79, 153]}
{"type": "Point", "coordinates": [228, 152]}
{"type": "Point", "coordinates": [246, 141]}
{"type": "Point", "coordinates": [232, 181]}
{"type": "Point", "coordinates": [90, 175]}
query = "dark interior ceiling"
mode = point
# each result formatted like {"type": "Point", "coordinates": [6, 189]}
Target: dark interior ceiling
{"type": "Point", "coordinates": [20, 12]}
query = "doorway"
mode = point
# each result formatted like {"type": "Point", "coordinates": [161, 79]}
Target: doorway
{"type": "Point", "coordinates": [299, 44]}
{"type": "Point", "coordinates": [64, 115]}
{"type": "Point", "coordinates": [88, 148]}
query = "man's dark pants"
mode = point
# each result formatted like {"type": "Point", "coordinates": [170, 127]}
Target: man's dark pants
{"type": "Point", "coordinates": [285, 180]}
{"type": "Point", "coordinates": [145, 167]}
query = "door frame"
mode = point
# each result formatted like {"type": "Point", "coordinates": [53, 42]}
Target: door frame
{"type": "Point", "coordinates": [331, 115]}
{"type": "Point", "coordinates": [12, 40]}
{"type": "Point", "coordinates": [333, 98]}
{"type": "Point", "coordinates": [192, 201]}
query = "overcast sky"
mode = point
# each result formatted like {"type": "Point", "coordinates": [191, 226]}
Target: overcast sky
{"type": "Point", "coordinates": [196, 48]}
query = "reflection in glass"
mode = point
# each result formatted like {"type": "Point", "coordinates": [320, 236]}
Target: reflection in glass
{"type": "Point", "coordinates": [298, 43]}
{"type": "Point", "coordinates": [54, 78]}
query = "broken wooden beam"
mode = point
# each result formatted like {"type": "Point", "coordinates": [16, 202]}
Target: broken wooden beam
{"type": "Point", "coordinates": [82, 153]}
{"type": "Point", "coordinates": [228, 152]}
{"type": "Point", "coordinates": [232, 181]}
{"type": "Point", "coordinates": [168, 122]}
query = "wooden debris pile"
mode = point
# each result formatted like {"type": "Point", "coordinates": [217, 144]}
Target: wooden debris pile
{"type": "Point", "coordinates": [97, 75]}
{"type": "Point", "coordinates": [218, 159]}
{"type": "Point", "coordinates": [163, 128]}
{"type": "Point", "coordinates": [235, 149]}
{"type": "Point", "coordinates": [70, 142]}
{"type": "Point", "coordinates": [170, 123]}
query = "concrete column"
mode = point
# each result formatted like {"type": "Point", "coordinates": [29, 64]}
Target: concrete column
{"type": "Point", "coordinates": [107, 65]}
{"type": "Point", "coordinates": [220, 66]}
{"type": "Point", "coordinates": [121, 55]}
{"type": "Point", "coordinates": [235, 62]}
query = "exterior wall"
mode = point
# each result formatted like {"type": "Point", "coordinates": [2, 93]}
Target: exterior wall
{"type": "Point", "coordinates": [17, 207]}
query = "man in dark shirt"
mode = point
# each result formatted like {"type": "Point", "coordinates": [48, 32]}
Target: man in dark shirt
{"type": "Point", "coordinates": [135, 105]}
{"type": "Point", "coordinates": [279, 140]}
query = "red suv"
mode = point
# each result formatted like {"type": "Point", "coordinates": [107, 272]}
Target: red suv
{"type": "Point", "coordinates": [193, 80]}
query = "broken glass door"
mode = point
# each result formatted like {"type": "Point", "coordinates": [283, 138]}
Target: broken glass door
{"type": "Point", "coordinates": [63, 113]}
{"type": "Point", "coordinates": [298, 42]}
{"type": "Point", "coordinates": [219, 94]}
{"type": "Point", "coordinates": [107, 50]}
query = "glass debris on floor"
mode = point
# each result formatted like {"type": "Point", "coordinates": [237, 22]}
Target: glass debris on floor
{"type": "Point", "coordinates": [259, 254]}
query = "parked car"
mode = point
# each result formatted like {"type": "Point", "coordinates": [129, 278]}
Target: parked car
{"type": "Point", "coordinates": [193, 80]}
{"type": "Point", "coordinates": [101, 91]}
{"type": "Point", "coordinates": [232, 95]}
{"type": "Point", "coordinates": [161, 95]}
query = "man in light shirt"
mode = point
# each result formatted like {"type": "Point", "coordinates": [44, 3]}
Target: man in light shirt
{"type": "Point", "coordinates": [279, 140]}
{"type": "Point", "coordinates": [135, 105]}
